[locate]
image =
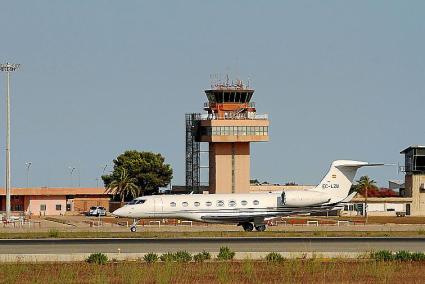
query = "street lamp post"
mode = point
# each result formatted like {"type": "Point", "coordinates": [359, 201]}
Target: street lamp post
{"type": "Point", "coordinates": [70, 174]}
{"type": "Point", "coordinates": [28, 164]}
{"type": "Point", "coordinates": [7, 67]}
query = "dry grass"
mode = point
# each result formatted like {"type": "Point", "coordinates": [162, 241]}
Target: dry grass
{"type": "Point", "coordinates": [210, 234]}
{"type": "Point", "coordinates": [292, 271]}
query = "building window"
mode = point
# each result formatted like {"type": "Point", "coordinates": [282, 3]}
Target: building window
{"type": "Point", "coordinates": [232, 203]}
{"type": "Point", "coordinates": [244, 202]}
{"type": "Point", "coordinates": [42, 207]}
{"type": "Point", "coordinates": [220, 203]}
{"type": "Point", "coordinates": [256, 202]}
{"type": "Point", "coordinates": [17, 207]}
{"type": "Point", "coordinates": [185, 204]}
{"type": "Point", "coordinates": [197, 203]}
{"type": "Point", "coordinates": [58, 207]}
{"type": "Point", "coordinates": [208, 203]}
{"type": "Point", "coordinates": [173, 204]}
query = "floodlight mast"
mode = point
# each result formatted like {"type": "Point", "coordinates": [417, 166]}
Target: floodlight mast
{"type": "Point", "coordinates": [7, 67]}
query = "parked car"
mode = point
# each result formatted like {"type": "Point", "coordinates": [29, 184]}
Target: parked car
{"type": "Point", "coordinates": [97, 211]}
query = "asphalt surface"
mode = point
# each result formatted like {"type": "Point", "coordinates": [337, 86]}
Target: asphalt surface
{"type": "Point", "coordinates": [67, 246]}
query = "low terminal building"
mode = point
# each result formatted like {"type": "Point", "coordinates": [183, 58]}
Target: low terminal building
{"type": "Point", "coordinates": [43, 201]}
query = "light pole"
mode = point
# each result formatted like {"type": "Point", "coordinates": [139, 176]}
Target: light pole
{"type": "Point", "coordinates": [7, 67]}
{"type": "Point", "coordinates": [72, 169]}
{"type": "Point", "coordinates": [28, 164]}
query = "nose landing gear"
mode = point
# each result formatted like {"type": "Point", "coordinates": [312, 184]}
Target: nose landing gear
{"type": "Point", "coordinates": [133, 227]}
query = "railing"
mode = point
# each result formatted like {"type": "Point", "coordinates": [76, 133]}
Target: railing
{"type": "Point", "coordinates": [212, 105]}
{"type": "Point", "coordinates": [249, 115]}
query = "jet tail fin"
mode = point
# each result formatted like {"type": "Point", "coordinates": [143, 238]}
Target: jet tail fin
{"type": "Point", "coordinates": [337, 182]}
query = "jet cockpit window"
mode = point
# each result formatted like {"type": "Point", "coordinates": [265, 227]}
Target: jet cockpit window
{"type": "Point", "coordinates": [132, 202]}
{"type": "Point", "coordinates": [140, 201]}
{"type": "Point", "coordinates": [256, 202]}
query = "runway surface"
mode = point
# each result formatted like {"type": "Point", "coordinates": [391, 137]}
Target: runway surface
{"type": "Point", "coordinates": [67, 246]}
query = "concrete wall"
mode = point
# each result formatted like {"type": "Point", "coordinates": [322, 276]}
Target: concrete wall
{"type": "Point", "coordinates": [35, 201]}
{"type": "Point", "coordinates": [224, 158]}
{"type": "Point", "coordinates": [413, 189]}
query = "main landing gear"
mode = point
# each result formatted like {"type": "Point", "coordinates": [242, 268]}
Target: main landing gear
{"type": "Point", "coordinates": [133, 227]}
{"type": "Point", "coordinates": [249, 227]}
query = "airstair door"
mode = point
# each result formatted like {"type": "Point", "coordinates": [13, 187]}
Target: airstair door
{"type": "Point", "coordinates": [157, 206]}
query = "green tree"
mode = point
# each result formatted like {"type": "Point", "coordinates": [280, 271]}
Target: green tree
{"type": "Point", "coordinates": [146, 168]}
{"type": "Point", "coordinates": [123, 185]}
{"type": "Point", "coordinates": [364, 184]}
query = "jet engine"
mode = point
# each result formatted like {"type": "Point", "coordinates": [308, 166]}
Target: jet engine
{"type": "Point", "coordinates": [303, 198]}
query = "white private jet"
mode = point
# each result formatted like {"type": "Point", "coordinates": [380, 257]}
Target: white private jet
{"type": "Point", "coordinates": [252, 209]}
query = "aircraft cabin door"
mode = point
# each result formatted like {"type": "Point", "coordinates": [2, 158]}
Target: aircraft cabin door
{"type": "Point", "coordinates": [157, 206]}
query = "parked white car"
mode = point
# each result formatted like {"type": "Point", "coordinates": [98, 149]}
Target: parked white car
{"type": "Point", "coordinates": [97, 211]}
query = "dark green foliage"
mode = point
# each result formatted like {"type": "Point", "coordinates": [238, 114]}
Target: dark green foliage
{"type": "Point", "coordinates": [150, 257]}
{"type": "Point", "coordinates": [274, 257]}
{"type": "Point", "coordinates": [225, 254]}
{"type": "Point", "coordinates": [417, 256]}
{"type": "Point", "coordinates": [403, 255]}
{"type": "Point", "coordinates": [202, 256]}
{"type": "Point", "coordinates": [167, 257]}
{"type": "Point", "coordinates": [146, 170]}
{"type": "Point", "coordinates": [383, 255]}
{"type": "Point", "coordinates": [97, 258]}
{"type": "Point", "coordinates": [183, 256]}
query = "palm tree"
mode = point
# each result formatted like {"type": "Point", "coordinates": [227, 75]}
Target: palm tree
{"type": "Point", "coordinates": [363, 185]}
{"type": "Point", "coordinates": [123, 185]}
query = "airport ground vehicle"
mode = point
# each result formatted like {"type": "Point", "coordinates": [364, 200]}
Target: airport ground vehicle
{"type": "Point", "coordinates": [97, 211]}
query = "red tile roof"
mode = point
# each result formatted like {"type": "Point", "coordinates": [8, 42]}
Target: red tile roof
{"type": "Point", "coordinates": [56, 191]}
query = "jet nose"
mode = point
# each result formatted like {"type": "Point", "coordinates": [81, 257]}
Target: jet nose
{"type": "Point", "coordinates": [119, 212]}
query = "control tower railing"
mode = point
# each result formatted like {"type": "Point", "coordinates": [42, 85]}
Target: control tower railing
{"type": "Point", "coordinates": [230, 116]}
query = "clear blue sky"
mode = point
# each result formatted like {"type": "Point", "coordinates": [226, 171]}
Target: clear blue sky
{"type": "Point", "coordinates": [339, 80]}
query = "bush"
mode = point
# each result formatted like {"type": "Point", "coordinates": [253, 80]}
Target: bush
{"type": "Point", "coordinates": [97, 258]}
{"type": "Point", "coordinates": [150, 257]}
{"type": "Point", "coordinates": [383, 255]}
{"type": "Point", "coordinates": [274, 257]}
{"type": "Point", "coordinates": [225, 254]}
{"type": "Point", "coordinates": [167, 257]}
{"type": "Point", "coordinates": [183, 256]}
{"type": "Point", "coordinates": [53, 233]}
{"type": "Point", "coordinates": [202, 256]}
{"type": "Point", "coordinates": [403, 256]}
{"type": "Point", "coordinates": [418, 256]}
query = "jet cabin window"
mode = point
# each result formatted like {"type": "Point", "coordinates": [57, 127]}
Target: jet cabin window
{"type": "Point", "coordinates": [173, 204]}
{"type": "Point", "coordinates": [208, 203]}
{"type": "Point", "coordinates": [256, 202]}
{"type": "Point", "coordinates": [244, 202]}
{"type": "Point", "coordinates": [220, 203]}
{"type": "Point", "coordinates": [232, 203]}
{"type": "Point", "coordinates": [185, 204]}
{"type": "Point", "coordinates": [197, 203]}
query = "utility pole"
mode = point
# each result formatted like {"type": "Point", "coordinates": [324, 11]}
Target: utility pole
{"type": "Point", "coordinates": [7, 67]}
{"type": "Point", "coordinates": [28, 164]}
{"type": "Point", "coordinates": [72, 169]}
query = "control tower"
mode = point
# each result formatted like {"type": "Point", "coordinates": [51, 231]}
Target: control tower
{"type": "Point", "coordinates": [229, 126]}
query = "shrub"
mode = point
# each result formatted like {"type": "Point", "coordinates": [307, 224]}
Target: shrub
{"type": "Point", "coordinates": [150, 257]}
{"type": "Point", "coordinates": [97, 258]}
{"type": "Point", "coordinates": [418, 256]}
{"type": "Point", "coordinates": [383, 255]}
{"type": "Point", "coordinates": [274, 257]}
{"type": "Point", "coordinates": [183, 256]}
{"type": "Point", "coordinates": [53, 233]}
{"type": "Point", "coordinates": [202, 256]}
{"type": "Point", "coordinates": [167, 257]}
{"type": "Point", "coordinates": [403, 256]}
{"type": "Point", "coordinates": [225, 254]}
